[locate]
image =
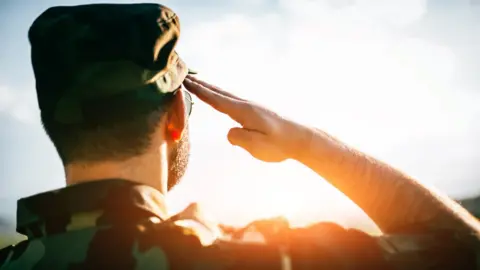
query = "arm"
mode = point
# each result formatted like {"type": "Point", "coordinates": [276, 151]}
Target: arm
{"type": "Point", "coordinates": [396, 202]}
{"type": "Point", "coordinates": [392, 199]}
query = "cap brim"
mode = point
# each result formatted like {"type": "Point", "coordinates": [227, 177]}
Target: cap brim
{"type": "Point", "coordinates": [173, 78]}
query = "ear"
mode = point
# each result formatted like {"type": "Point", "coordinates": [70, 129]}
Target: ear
{"type": "Point", "coordinates": [176, 118]}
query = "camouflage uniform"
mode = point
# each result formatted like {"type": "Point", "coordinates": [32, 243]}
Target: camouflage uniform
{"type": "Point", "coordinates": [92, 62]}
{"type": "Point", "coordinates": [118, 224]}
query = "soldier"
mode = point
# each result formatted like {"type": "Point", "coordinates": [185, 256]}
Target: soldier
{"type": "Point", "coordinates": [109, 87]}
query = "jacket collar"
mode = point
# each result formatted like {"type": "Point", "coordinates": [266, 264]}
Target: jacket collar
{"type": "Point", "coordinates": [91, 204]}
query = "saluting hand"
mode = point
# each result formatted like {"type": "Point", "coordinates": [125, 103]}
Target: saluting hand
{"type": "Point", "coordinates": [263, 133]}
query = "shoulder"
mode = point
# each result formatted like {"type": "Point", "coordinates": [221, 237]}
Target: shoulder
{"type": "Point", "coordinates": [324, 244]}
{"type": "Point", "coordinates": [182, 247]}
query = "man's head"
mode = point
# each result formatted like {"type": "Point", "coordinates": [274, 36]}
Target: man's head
{"type": "Point", "coordinates": [109, 86]}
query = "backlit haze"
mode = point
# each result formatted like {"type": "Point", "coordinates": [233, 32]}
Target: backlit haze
{"type": "Point", "coordinates": [397, 79]}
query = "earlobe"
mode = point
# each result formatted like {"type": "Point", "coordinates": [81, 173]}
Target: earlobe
{"type": "Point", "coordinates": [176, 119]}
{"type": "Point", "coordinates": [174, 133]}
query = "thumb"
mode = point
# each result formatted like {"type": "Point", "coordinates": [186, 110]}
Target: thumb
{"type": "Point", "coordinates": [244, 138]}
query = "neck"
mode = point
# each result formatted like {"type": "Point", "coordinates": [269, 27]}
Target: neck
{"type": "Point", "coordinates": [148, 169]}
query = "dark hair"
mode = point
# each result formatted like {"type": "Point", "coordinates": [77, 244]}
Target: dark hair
{"type": "Point", "coordinates": [126, 133]}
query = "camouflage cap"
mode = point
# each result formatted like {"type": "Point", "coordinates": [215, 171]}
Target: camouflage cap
{"type": "Point", "coordinates": [108, 56]}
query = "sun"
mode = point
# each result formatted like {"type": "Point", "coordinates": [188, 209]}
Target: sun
{"type": "Point", "coordinates": [265, 191]}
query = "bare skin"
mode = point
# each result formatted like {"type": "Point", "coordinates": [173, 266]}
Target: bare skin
{"type": "Point", "coordinates": [149, 168]}
{"type": "Point", "coordinates": [396, 202]}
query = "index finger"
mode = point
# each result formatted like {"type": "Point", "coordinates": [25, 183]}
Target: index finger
{"type": "Point", "coordinates": [214, 88]}
{"type": "Point", "coordinates": [221, 103]}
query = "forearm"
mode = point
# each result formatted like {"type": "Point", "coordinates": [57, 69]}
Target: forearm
{"type": "Point", "coordinates": [392, 199]}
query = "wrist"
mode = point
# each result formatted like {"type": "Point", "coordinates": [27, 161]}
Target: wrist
{"type": "Point", "coordinates": [299, 140]}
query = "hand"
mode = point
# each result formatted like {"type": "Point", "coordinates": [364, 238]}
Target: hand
{"type": "Point", "coordinates": [264, 134]}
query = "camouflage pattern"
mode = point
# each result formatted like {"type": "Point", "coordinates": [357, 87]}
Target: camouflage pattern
{"type": "Point", "coordinates": [118, 224]}
{"type": "Point", "coordinates": [100, 60]}
{"type": "Point", "coordinates": [94, 62]}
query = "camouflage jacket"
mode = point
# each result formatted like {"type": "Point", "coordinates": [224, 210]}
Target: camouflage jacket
{"type": "Point", "coordinates": [117, 224]}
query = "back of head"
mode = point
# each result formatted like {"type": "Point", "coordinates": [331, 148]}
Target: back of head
{"type": "Point", "coordinates": [105, 75]}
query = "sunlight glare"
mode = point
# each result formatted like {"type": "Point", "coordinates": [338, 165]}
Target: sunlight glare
{"type": "Point", "coordinates": [345, 71]}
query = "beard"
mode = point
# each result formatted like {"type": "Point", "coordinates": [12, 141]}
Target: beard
{"type": "Point", "coordinates": [178, 160]}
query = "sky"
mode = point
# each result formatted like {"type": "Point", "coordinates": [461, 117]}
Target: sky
{"type": "Point", "coordinates": [396, 79]}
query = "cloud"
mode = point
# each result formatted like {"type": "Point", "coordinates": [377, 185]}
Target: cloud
{"type": "Point", "coordinates": [350, 69]}
{"type": "Point", "coordinates": [346, 64]}
{"type": "Point", "coordinates": [455, 24]}
{"type": "Point", "coordinates": [18, 104]}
